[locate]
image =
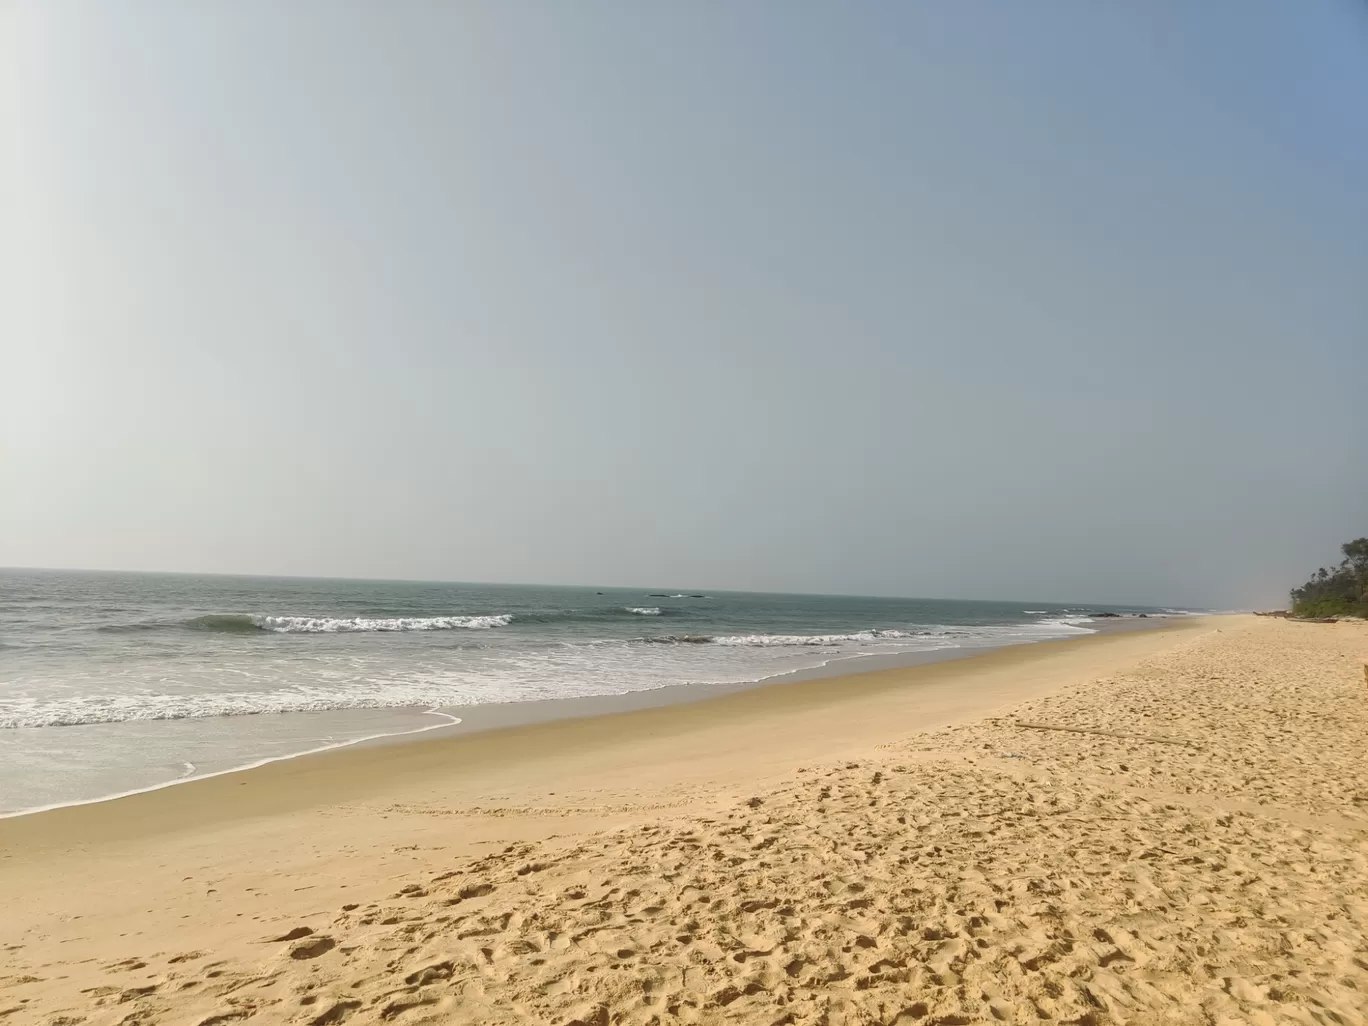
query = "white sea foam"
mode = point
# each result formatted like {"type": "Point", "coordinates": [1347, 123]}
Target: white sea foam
{"type": "Point", "coordinates": [488, 675]}
{"type": "Point", "coordinates": [336, 625]}
{"type": "Point", "coordinates": [787, 640]}
{"type": "Point", "coordinates": [1035, 610]}
{"type": "Point", "coordinates": [78, 710]}
{"type": "Point", "coordinates": [644, 610]}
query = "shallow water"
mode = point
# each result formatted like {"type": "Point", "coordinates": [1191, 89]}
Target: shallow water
{"type": "Point", "coordinates": [116, 682]}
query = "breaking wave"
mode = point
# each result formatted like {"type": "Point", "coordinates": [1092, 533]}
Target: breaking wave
{"type": "Point", "coordinates": [223, 623]}
{"type": "Point", "coordinates": [791, 640]}
{"type": "Point", "coordinates": [549, 669]}
{"type": "Point", "coordinates": [782, 640]}
{"type": "Point", "coordinates": [133, 707]}
{"type": "Point", "coordinates": [247, 623]}
{"type": "Point", "coordinates": [1069, 622]}
{"type": "Point", "coordinates": [644, 610]}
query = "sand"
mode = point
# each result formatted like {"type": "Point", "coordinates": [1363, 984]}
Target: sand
{"type": "Point", "coordinates": [890, 847]}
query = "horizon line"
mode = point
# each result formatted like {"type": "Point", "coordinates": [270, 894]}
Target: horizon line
{"type": "Point", "coordinates": [621, 587]}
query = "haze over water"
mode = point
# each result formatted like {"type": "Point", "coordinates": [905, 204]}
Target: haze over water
{"type": "Point", "coordinates": [974, 300]}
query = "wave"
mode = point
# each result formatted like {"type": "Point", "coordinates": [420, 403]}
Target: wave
{"type": "Point", "coordinates": [361, 624]}
{"type": "Point", "coordinates": [1075, 622]}
{"type": "Point", "coordinates": [795, 640]}
{"type": "Point", "coordinates": [420, 691]}
{"type": "Point", "coordinates": [250, 623]}
{"type": "Point", "coordinates": [255, 623]}
{"type": "Point", "coordinates": [137, 628]}
{"type": "Point", "coordinates": [781, 640]}
{"type": "Point", "coordinates": [567, 668]}
{"type": "Point", "coordinates": [92, 709]}
{"type": "Point", "coordinates": [225, 623]}
{"type": "Point", "coordinates": [994, 633]}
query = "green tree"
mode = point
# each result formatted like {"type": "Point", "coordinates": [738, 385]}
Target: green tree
{"type": "Point", "coordinates": [1356, 554]}
{"type": "Point", "coordinates": [1339, 592]}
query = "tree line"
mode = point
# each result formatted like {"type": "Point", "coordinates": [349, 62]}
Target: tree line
{"type": "Point", "coordinates": [1342, 591]}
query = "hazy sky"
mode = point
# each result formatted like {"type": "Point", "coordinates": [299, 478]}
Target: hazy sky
{"type": "Point", "coordinates": [1057, 300]}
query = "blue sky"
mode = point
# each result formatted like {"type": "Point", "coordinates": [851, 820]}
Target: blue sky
{"type": "Point", "coordinates": [1060, 300]}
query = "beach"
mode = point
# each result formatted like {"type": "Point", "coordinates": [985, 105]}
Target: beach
{"type": "Point", "coordinates": [112, 683]}
{"type": "Point", "coordinates": [1167, 825]}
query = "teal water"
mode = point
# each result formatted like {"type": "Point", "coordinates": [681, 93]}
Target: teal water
{"type": "Point", "coordinates": [113, 682]}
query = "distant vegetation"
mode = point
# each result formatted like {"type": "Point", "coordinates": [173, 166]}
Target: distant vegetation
{"type": "Point", "coordinates": [1342, 591]}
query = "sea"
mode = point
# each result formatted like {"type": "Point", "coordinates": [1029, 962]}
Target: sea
{"type": "Point", "coordinates": [113, 683]}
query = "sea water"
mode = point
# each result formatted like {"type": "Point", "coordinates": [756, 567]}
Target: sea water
{"type": "Point", "coordinates": [116, 682]}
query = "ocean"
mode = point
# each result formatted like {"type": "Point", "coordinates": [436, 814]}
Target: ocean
{"type": "Point", "coordinates": [117, 682]}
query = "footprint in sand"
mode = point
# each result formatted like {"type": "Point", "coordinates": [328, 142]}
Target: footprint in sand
{"type": "Point", "coordinates": [312, 947]}
{"type": "Point", "coordinates": [399, 1007]}
{"type": "Point", "coordinates": [295, 934]}
{"type": "Point", "coordinates": [223, 1018]}
{"type": "Point", "coordinates": [431, 974]}
{"type": "Point", "coordinates": [127, 965]}
{"type": "Point", "coordinates": [335, 1014]}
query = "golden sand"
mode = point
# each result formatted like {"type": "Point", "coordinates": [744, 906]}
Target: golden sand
{"type": "Point", "coordinates": [1167, 826]}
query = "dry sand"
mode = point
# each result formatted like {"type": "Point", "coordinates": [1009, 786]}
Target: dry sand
{"type": "Point", "coordinates": [888, 847]}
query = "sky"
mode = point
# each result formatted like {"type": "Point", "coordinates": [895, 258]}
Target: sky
{"type": "Point", "coordinates": [1057, 300]}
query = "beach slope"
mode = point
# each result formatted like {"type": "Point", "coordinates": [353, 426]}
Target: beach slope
{"type": "Point", "coordinates": [1164, 826]}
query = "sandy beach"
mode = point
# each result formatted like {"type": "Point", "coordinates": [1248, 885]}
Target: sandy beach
{"type": "Point", "coordinates": [1168, 825]}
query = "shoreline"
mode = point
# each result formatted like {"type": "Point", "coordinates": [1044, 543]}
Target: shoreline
{"type": "Point", "coordinates": [499, 716]}
{"type": "Point", "coordinates": [1125, 827]}
{"type": "Point", "coordinates": [520, 734]}
{"type": "Point", "coordinates": [191, 777]}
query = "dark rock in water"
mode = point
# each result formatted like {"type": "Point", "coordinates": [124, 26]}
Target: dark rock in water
{"type": "Point", "coordinates": [598, 593]}
{"type": "Point", "coordinates": [1143, 616]}
{"type": "Point", "coordinates": [657, 594]}
{"type": "Point", "coordinates": [1101, 616]}
{"type": "Point", "coordinates": [698, 596]}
